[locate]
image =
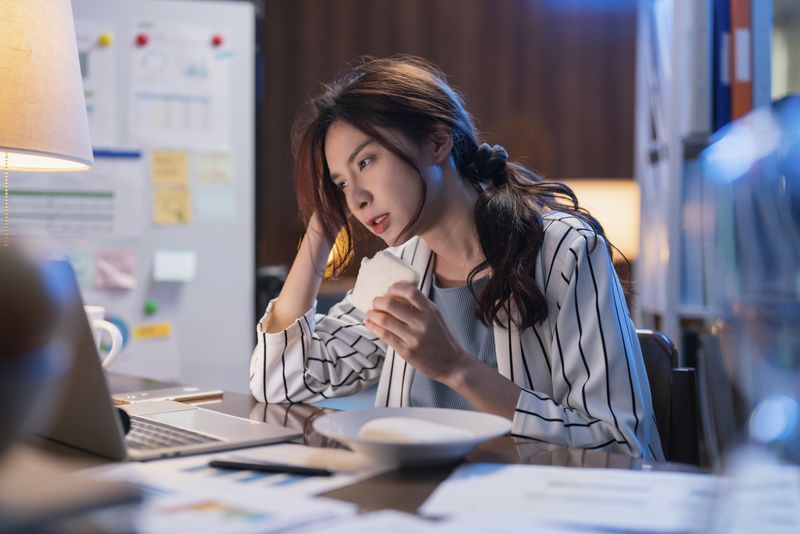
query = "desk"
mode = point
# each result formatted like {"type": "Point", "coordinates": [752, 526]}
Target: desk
{"type": "Point", "coordinates": [403, 490]}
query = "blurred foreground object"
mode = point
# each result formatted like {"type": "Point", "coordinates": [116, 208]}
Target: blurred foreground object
{"type": "Point", "coordinates": [28, 357]}
{"type": "Point", "coordinates": [42, 492]}
{"type": "Point", "coordinates": [27, 312]}
{"type": "Point", "coordinates": [753, 172]}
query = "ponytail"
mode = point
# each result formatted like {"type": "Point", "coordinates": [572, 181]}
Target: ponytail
{"type": "Point", "coordinates": [508, 218]}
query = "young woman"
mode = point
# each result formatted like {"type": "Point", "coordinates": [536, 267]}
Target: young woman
{"type": "Point", "coordinates": [518, 311]}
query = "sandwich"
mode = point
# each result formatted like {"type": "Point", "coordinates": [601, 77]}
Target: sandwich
{"type": "Point", "coordinates": [376, 275]}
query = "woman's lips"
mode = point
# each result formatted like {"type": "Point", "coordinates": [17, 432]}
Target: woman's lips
{"type": "Point", "coordinates": [380, 223]}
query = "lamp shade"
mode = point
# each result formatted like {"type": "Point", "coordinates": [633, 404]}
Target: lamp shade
{"type": "Point", "coordinates": [615, 203]}
{"type": "Point", "coordinates": [43, 123]}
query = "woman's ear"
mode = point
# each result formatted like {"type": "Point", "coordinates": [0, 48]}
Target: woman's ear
{"type": "Point", "coordinates": [441, 143]}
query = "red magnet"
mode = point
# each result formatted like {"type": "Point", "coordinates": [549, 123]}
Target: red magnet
{"type": "Point", "coordinates": [142, 39]}
{"type": "Point", "coordinates": [216, 40]}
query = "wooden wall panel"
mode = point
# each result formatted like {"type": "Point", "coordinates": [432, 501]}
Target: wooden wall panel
{"type": "Point", "coordinates": [551, 80]}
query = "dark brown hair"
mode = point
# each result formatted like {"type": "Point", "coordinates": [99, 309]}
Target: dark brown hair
{"type": "Point", "coordinates": [410, 96]}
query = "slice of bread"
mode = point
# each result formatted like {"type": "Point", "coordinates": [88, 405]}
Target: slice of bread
{"type": "Point", "coordinates": [411, 430]}
{"type": "Point", "coordinates": [376, 275]}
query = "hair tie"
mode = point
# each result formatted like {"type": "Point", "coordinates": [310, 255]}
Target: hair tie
{"type": "Point", "coordinates": [490, 162]}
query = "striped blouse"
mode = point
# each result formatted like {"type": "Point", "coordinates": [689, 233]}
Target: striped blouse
{"type": "Point", "coordinates": [581, 371]}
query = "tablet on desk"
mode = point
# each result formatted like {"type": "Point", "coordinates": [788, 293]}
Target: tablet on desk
{"type": "Point", "coordinates": [176, 393]}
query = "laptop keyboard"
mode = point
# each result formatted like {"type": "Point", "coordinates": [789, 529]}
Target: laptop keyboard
{"type": "Point", "coordinates": [147, 434]}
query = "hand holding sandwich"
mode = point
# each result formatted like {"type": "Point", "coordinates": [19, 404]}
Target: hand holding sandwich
{"type": "Point", "coordinates": [407, 320]}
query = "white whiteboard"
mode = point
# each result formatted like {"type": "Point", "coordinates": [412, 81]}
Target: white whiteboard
{"type": "Point", "coordinates": [183, 92]}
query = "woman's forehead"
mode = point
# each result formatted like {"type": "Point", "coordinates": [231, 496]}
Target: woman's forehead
{"type": "Point", "coordinates": [343, 138]}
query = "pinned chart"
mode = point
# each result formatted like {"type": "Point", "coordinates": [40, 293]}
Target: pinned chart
{"type": "Point", "coordinates": [105, 202]}
{"type": "Point", "coordinates": [179, 92]}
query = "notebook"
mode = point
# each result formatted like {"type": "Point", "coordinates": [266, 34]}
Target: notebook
{"type": "Point", "coordinates": [84, 416]}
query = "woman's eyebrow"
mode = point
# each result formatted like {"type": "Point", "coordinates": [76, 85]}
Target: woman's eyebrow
{"type": "Point", "coordinates": [353, 154]}
{"type": "Point", "coordinates": [357, 150]}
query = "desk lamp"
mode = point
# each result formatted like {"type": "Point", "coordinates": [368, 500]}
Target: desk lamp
{"type": "Point", "coordinates": [43, 122]}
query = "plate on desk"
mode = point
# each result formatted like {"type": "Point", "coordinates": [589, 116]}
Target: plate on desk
{"type": "Point", "coordinates": [468, 430]}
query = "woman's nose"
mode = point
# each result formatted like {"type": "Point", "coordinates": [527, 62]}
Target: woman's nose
{"type": "Point", "coordinates": [361, 197]}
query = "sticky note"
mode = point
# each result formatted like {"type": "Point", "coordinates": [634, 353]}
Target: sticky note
{"type": "Point", "coordinates": [152, 331]}
{"type": "Point", "coordinates": [174, 265]}
{"type": "Point", "coordinates": [115, 269]}
{"type": "Point", "coordinates": [215, 203]}
{"type": "Point", "coordinates": [172, 206]}
{"type": "Point", "coordinates": [169, 167]}
{"type": "Point", "coordinates": [213, 167]}
{"type": "Point", "coordinates": [83, 264]}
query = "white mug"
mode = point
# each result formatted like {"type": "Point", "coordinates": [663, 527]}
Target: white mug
{"type": "Point", "coordinates": [96, 315]}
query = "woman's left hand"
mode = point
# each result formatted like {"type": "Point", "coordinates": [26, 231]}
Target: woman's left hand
{"type": "Point", "coordinates": [407, 320]}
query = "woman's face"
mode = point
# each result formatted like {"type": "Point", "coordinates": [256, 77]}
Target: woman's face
{"type": "Point", "coordinates": [381, 190]}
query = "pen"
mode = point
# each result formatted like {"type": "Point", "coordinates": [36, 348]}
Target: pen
{"type": "Point", "coordinates": [269, 467]}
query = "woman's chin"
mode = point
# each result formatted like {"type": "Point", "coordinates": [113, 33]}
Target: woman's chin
{"type": "Point", "coordinates": [395, 241]}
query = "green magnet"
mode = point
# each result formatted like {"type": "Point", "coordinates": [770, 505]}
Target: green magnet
{"type": "Point", "coordinates": [150, 306]}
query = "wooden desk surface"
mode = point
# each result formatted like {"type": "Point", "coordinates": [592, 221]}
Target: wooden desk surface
{"type": "Point", "coordinates": [405, 489]}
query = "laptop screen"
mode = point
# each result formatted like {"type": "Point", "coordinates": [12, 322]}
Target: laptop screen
{"type": "Point", "coordinates": [78, 411]}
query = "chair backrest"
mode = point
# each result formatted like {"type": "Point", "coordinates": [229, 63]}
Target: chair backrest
{"type": "Point", "coordinates": [674, 393]}
{"type": "Point", "coordinates": [722, 405]}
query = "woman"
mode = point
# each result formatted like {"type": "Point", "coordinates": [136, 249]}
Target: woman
{"type": "Point", "coordinates": [518, 311]}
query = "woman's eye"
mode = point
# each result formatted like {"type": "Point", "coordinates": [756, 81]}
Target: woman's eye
{"type": "Point", "coordinates": [341, 185]}
{"type": "Point", "coordinates": [363, 163]}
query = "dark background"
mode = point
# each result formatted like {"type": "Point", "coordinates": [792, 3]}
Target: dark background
{"type": "Point", "coordinates": [551, 80]}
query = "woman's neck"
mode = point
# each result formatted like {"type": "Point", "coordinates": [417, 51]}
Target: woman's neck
{"type": "Point", "coordinates": [452, 236]}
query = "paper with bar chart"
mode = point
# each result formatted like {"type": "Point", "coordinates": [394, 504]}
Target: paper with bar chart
{"type": "Point", "coordinates": [105, 202]}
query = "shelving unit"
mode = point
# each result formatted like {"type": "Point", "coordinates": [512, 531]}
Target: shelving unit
{"type": "Point", "coordinates": [675, 88]}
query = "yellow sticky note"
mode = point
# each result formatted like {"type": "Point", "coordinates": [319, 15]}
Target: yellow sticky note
{"type": "Point", "coordinates": [172, 206]}
{"type": "Point", "coordinates": [213, 167]}
{"type": "Point", "coordinates": [152, 331]}
{"type": "Point", "coordinates": [169, 167]}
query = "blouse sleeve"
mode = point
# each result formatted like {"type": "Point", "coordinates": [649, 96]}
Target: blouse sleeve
{"type": "Point", "coordinates": [316, 357]}
{"type": "Point", "coordinates": [598, 399]}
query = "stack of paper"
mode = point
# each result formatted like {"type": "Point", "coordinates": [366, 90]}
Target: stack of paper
{"type": "Point", "coordinates": [185, 493]}
{"type": "Point", "coordinates": [598, 498]}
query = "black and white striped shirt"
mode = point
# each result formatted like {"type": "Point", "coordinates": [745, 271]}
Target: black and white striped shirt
{"type": "Point", "coordinates": [581, 371]}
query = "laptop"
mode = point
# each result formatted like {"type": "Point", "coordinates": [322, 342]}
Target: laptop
{"type": "Point", "coordinates": [85, 417]}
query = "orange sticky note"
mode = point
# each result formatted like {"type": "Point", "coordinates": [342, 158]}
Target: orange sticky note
{"type": "Point", "coordinates": [152, 331]}
{"type": "Point", "coordinates": [169, 167]}
{"type": "Point", "coordinates": [172, 206]}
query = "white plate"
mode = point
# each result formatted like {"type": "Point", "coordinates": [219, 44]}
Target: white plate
{"type": "Point", "coordinates": [344, 427]}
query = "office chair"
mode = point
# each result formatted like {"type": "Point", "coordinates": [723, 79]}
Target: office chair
{"type": "Point", "coordinates": [722, 404]}
{"type": "Point", "coordinates": [674, 393]}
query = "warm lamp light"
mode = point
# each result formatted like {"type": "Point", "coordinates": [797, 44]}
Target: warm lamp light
{"type": "Point", "coordinates": [43, 123]}
{"type": "Point", "coordinates": [615, 203]}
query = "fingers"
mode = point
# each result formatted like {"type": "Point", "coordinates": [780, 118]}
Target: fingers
{"type": "Point", "coordinates": [389, 329]}
{"type": "Point", "coordinates": [384, 334]}
{"type": "Point", "coordinates": [398, 307]}
{"type": "Point", "coordinates": [410, 293]}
